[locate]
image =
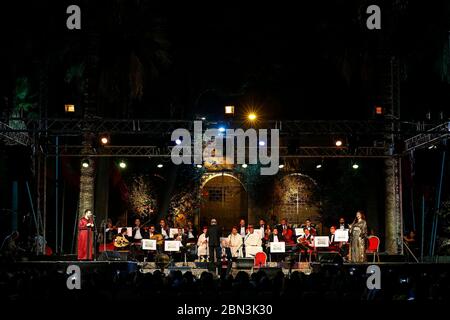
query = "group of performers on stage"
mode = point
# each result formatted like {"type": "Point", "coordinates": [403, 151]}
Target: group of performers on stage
{"type": "Point", "coordinates": [209, 245]}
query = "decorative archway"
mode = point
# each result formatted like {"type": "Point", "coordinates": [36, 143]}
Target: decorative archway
{"type": "Point", "coordinates": [224, 198]}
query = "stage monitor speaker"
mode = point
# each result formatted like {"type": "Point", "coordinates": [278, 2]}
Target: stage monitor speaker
{"type": "Point", "coordinates": [330, 258]}
{"type": "Point", "coordinates": [113, 256]}
{"type": "Point", "coordinates": [244, 263]}
{"type": "Point", "coordinates": [270, 272]}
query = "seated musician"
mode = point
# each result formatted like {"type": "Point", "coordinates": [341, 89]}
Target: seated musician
{"type": "Point", "coordinates": [275, 236]}
{"type": "Point", "coordinates": [180, 236]}
{"type": "Point", "coordinates": [139, 232]}
{"type": "Point", "coordinates": [107, 236]}
{"type": "Point", "coordinates": [267, 233]}
{"type": "Point", "coordinates": [310, 226]}
{"type": "Point", "coordinates": [121, 242]}
{"type": "Point", "coordinates": [235, 243]}
{"type": "Point", "coordinates": [163, 229]}
{"type": "Point", "coordinates": [202, 244]}
{"type": "Point", "coordinates": [305, 241]}
{"type": "Point", "coordinates": [252, 242]}
{"type": "Point", "coordinates": [287, 233]}
{"type": "Point", "coordinates": [153, 235]}
{"type": "Point", "coordinates": [333, 244]}
{"type": "Point", "coordinates": [191, 232]}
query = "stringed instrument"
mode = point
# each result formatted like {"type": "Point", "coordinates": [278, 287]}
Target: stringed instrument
{"type": "Point", "coordinates": [159, 238]}
{"type": "Point", "coordinates": [121, 242]}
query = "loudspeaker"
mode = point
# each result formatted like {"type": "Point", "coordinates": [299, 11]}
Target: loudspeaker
{"type": "Point", "coordinates": [330, 257]}
{"type": "Point", "coordinates": [113, 256]}
{"type": "Point", "coordinates": [244, 263]}
{"type": "Point", "coordinates": [270, 272]}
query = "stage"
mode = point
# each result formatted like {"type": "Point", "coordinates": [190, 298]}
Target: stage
{"type": "Point", "coordinates": [197, 269]}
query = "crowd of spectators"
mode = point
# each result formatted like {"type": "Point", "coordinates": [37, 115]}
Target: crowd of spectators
{"type": "Point", "coordinates": [333, 283]}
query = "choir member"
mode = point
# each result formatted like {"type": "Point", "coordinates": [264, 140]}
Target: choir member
{"type": "Point", "coordinates": [252, 242]}
{"type": "Point", "coordinates": [235, 243]}
{"type": "Point", "coordinates": [202, 244]}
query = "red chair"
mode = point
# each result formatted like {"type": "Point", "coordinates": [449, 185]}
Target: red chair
{"type": "Point", "coordinates": [260, 259]}
{"type": "Point", "coordinates": [374, 246]}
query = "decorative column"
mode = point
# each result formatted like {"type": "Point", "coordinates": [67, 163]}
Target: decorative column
{"type": "Point", "coordinates": [393, 204]}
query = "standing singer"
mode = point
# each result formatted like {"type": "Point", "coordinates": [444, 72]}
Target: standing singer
{"type": "Point", "coordinates": [85, 236]}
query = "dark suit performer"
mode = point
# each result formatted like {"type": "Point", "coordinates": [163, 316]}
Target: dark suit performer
{"type": "Point", "coordinates": [213, 235]}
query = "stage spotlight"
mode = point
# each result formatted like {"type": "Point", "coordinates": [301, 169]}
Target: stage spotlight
{"type": "Point", "coordinates": [319, 165]}
{"type": "Point", "coordinates": [160, 165]}
{"type": "Point", "coordinates": [199, 166]}
{"type": "Point", "coordinates": [339, 143]}
{"type": "Point", "coordinates": [222, 129]}
{"type": "Point", "coordinates": [281, 166]}
{"type": "Point", "coordinates": [203, 118]}
{"type": "Point", "coordinates": [432, 147]}
{"type": "Point", "coordinates": [244, 165]}
{"type": "Point", "coordinates": [262, 143]}
{"type": "Point", "coordinates": [85, 163]}
{"type": "Point", "coordinates": [355, 166]}
{"type": "Point", "coordinates": [252, 116]}
{"type": "Point", "coordinates": [104, 140]}
{"type": "Point", "coordinates": [122, 164]}
{"type": "Point", "coordinates": [178, 141]}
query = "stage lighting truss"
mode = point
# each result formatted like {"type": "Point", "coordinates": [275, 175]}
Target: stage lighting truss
{"type": "Point", "coordinates": [165, 152]}
{"type": "Point", "coordinates": [71, 127]}
{"type": "Point", "coordinates": [376, 130]}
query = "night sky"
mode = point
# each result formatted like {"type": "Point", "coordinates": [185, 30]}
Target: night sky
{"type": "Point", "coordinates": [172, 60]}
{"type": "Point", "coordinates": [308, 60]}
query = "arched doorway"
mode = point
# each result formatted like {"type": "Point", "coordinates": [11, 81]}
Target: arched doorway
{"type": "Point", "coordinates": [223, 198]}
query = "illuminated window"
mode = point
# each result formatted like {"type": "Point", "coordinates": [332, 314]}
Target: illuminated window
{"type": "Point", "coordinates": [229, 109]}
{"type": "Point", "coordinates": [69, 107]}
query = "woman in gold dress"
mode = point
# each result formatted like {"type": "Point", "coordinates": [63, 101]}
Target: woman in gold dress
{"type": "Point", "coordinates": [358, 235]}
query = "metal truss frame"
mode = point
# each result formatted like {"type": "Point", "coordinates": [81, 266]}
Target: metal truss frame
{"type": "Point", "coordinates": [430, 137]}
{"type": "Point", "coordinates": [165, 152]}
{"type": "Point", "coordinates": [70, 127]}
{"type": "Point", "coordinates": [12, 136]}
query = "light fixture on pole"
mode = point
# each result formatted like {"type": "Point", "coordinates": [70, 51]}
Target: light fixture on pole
{"type": "Point", "coordinates": [85, 163]}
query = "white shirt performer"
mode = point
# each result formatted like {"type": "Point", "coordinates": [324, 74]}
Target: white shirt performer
{"type": "Point", "coordinates": [235, 242]}
{"type": "Point", "coordinates": [202, 244]}
{"type": "Point", "coordinates": [252, 243]}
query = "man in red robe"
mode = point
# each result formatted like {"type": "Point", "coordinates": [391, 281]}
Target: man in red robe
{"type": "Point", "coordinates": [85, 236]}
